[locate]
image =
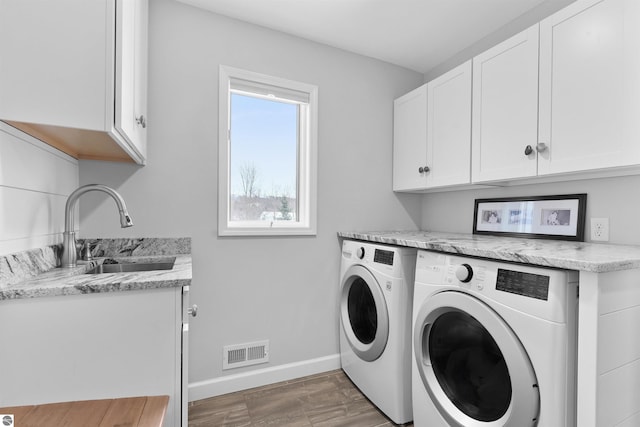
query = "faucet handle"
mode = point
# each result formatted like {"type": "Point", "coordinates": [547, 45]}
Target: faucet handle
{"type": "Point", "coordinates": [85, 253]}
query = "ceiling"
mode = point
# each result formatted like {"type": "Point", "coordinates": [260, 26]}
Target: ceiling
{"type": "Point", "coordinates": [415, 34]}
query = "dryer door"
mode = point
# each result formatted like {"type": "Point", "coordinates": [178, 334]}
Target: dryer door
{"type": "Point", "coordinates": [472, 364]}
{"type": "Point", "coordinates": [363, 313]}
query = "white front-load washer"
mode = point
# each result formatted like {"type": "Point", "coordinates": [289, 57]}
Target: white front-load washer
{"type": "Point", "coordinates": [376, 292]}
{"type": "Point", "coordinates": [494, 343]}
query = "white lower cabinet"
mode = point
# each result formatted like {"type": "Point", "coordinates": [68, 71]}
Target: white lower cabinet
{"type": "Point", "coordinates": [432, 131]}
{"type": "Point", "coordinates": [95, 346]}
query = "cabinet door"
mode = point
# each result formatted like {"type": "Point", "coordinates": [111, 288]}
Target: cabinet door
{"type": "Point", "coordinates": [93, 346]}
{"type": "Point", "coordinates": [184, 385]}
{"type": "Point", "coordinates": [505, 109]}
{"type": "Point", "coordinates": [131, 78]}
{"type": "Point", "coordinates": [80, 94]}
{"type": "Point", "coordinates": [53, 66]}
{"type": "Point", "coordinates": [590, 86]}
{"type": "Point", "coordinates": [449, 128]}
{"type": "Point", "coordinates": [410, 140]}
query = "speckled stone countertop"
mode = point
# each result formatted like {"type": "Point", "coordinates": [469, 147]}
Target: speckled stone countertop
{"type": "Point", "coordinates": [592, 257]}
{"type": "Point", "coordinates": [34, 273]}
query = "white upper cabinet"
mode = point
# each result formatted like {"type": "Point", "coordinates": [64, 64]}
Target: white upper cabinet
{"type": "Point", "coordinates": [579, 113]}
{"type": "Point", "coordinates": [73, 74]}
{"type": "Point", "coordinates": [410, 140]}
{"type": "Point", "coordinates": [560, 98]}
{"type": "Point", "coordinates": [432, 133]}
{"type": "Point", "coordinates": [131, 80]}
{"type": "Point", "coordinates": [449, 128]}
{"type": "Point", "coordinates": [590, 86]}
{"type": "Point", "coordinates": [505, 109]}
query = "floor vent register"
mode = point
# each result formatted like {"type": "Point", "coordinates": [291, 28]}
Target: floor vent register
{"type": "Point", "coordinates": [238, 355]}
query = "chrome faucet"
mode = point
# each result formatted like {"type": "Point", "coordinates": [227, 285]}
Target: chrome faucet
{"type": "Point", "coordinates": [69, 250]}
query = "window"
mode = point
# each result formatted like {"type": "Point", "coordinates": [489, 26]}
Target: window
{"type": "Point", "coordinates": [267, 155]}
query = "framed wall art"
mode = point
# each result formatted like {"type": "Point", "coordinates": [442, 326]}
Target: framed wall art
{"type": "Point", "coordinates": [543, 217]}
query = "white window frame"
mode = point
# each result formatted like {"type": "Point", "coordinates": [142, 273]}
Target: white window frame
{"type": "Point", "coordinates": [306, 221]}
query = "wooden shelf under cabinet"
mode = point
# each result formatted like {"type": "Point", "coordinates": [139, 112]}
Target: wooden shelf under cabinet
{"type": "Point", "coordinates": [78, 143]}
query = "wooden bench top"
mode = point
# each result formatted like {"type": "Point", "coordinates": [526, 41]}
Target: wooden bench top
{"type": "Point", "coordinates": [146, 411]}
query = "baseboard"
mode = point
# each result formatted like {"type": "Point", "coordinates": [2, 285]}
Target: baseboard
{"type": "Point", "coordinates": [259, 377]}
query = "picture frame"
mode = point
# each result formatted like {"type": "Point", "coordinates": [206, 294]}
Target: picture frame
{"type": "Point", "coordinates": [559, 217]}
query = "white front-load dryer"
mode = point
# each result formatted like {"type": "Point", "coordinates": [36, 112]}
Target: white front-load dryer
{"type": "Point", "coordinates": [494, 343]}
{"type": "Point", "coordinates": [376, 292]}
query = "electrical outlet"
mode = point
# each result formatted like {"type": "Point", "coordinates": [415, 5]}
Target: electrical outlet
{"type": "Point", "coordinates": [600, 229]}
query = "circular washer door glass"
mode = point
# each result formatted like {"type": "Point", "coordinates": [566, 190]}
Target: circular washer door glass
{"type": "Point", "coordinates": [363, 315]}
{"type": "Point", "coordinates": [469, 366]}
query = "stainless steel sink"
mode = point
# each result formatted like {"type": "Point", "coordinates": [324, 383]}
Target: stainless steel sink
{"type": "Point", "coordinates": [131, 267]}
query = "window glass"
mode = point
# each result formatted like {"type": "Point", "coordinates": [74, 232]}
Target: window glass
{"type": "Point", "coordinates": [263, 159]}
{"type": "Point", "coordinates": [268, 150]}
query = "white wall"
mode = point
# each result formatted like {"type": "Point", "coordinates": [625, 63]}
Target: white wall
{"type": "Point", "coordinates": [277, 288]}
{"type": "Point", "coordinates": [613, 198]}
{"type": "Point", "coordinates": [35, 181]}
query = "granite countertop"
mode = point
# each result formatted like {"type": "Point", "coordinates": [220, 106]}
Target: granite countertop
{"type": "Point", "coordinates": [592, 257]}
{"type": "Point", "coordinates": [34, 273]}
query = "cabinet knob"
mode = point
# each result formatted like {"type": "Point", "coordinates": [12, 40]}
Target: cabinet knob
{"type": "Point", "coordinates": [141, 121]}
{"type": "Point", "coordinates": [423, 169]}
{"type": "Point", "coordinates": [193, 310]}
{"type": "Point", "coordinates": [528, 150]}
{"type": "Point", "coordinates": [541, 147]}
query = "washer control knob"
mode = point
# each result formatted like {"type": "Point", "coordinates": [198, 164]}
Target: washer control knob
{"type": "Point", "coordinates": [360, 252]}
{"type": "Point", "coordinates": [464, 273]}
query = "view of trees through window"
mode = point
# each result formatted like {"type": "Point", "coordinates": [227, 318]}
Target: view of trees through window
{"type": "Point", "coordinates": [263, 159]}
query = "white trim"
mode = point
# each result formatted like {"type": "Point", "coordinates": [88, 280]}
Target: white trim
{"type": "Point", "coordinates": [260, 377]}
{"type": "Point", "coordinates": [306, 223]}
{"type": "Point", "coordinates": [268, 91]}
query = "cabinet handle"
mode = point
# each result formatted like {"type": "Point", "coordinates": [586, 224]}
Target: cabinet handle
{"type": "Point", "coordinates": [528, 150]}
{"type": "Point", "coordinates": [423, 169]}
{"type": "Point", "coordinates": [193, 310]}
{"type": "Point", "coordinates": [141, 121]}
{"type": "Point", "coordinates": [541, 147]}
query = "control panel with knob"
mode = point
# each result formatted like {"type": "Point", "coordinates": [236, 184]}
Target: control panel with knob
{"type": "Point", "coordinates": [464, 273]}
{"type": "Point", "coordinates": [360, 252]}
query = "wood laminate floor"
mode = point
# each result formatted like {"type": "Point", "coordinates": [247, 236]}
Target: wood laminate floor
{"type": "Point", "coordinates": [324, 400]}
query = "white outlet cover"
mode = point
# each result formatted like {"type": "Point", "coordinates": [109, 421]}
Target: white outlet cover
{"type": "Point", "coordinates": [600, 229]}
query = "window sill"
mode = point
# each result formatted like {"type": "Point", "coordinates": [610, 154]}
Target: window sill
{"type": "Point", "coordinates": [264, 231]}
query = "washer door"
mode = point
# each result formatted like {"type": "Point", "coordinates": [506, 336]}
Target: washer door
{"type": "Point", "coordinates": [473, 365]}
{"type": "Point", "coordinates": [363, 313]}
